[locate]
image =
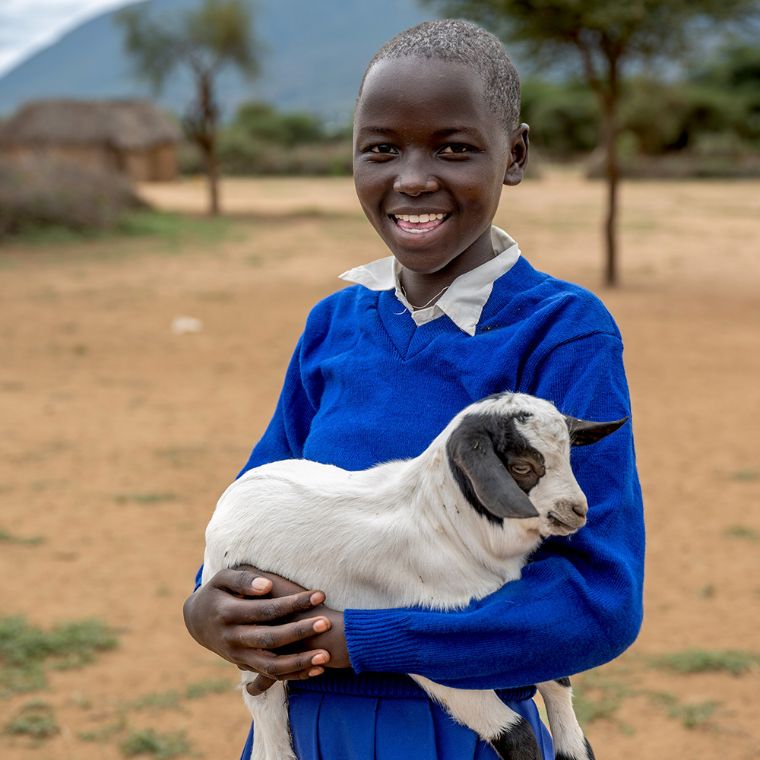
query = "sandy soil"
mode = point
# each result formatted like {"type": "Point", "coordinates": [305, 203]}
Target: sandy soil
{"type": "Point", "coordinates": [118, 436]}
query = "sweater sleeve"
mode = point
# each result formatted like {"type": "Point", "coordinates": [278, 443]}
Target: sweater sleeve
{"type": "Point", "coordinates": [286, 433]}
{"type": "Point", "coordinates": [578, 603]}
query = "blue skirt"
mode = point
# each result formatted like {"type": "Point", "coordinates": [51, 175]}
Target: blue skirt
{"type": "Point", "coordinates": [383, 716]}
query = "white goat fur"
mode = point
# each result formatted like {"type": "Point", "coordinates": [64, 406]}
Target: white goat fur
{"type": "Point", "coordinates": [398, 534]}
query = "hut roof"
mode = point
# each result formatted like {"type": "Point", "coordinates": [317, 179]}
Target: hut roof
{"type": "Point", "coordinates": [125, 124]}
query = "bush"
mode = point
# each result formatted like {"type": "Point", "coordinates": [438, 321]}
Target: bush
{"type": "Point", "coordinates": [261, 140]}
{"type": "Point", "coordinates": [263, 122]}
{"type": "Point", "coordinates": [57, 193]}
{"type": "Point", "coordinates": [243, 155]}
{"type": "Point", "coordinates": [563, 117]}
{"type": "Point", "coordinates": [691, 164]}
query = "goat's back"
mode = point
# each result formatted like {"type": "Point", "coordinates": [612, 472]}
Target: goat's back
{"type": "Point", "coordinates": [347, 533]}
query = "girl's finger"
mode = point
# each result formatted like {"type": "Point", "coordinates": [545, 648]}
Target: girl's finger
{"type": "Point", "coordinates": [259, 685]}
{"type": "Point", "coordinates": [252, 611]}
{"type": "Point", "coordinates": [283, 666]}
{"type": "Point", "coordinates": [262, 683]}
{"type": "Point", "coordinates": [242, 582]}
{"type": "Point", "coordinates": [270, 637]}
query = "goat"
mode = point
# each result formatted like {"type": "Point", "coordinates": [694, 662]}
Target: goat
{"type": "Point", "coordinates": [459, 520]}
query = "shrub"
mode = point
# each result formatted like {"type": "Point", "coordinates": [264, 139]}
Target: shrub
{"type": "Point", "coordinates": [240, 154]}
{"type": "Point", "coordinates": [36, 720]}
{"type": "Point", "coordinates": [262, 140]}
{"type": "Point", "coordinates": [731, 661]}
{"type": "Point", "coordinates": [563, 117]}
{"type": "Point", "coordinates": [263, 122]}
{"type": "Point", "coordinates": [150, 742]}
{"type": "Point", "coordinates": [37, 192]}
{"type": "Point", "coordinates": [26, 650]}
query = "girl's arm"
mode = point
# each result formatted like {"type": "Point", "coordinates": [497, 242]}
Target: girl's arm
{"type": "Point", "coordinates": [242, 621]}
{"type": "Point", "coordinates": [578, 603]}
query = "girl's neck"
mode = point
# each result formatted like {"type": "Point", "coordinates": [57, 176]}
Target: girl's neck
{"type": "Point", "coordinates": [425, 288]}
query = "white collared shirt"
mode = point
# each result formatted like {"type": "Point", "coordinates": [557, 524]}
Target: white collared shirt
{"type": "Point", "coordinates": [464, 299]}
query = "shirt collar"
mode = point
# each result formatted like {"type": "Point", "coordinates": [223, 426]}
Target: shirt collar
{"type": "Point", "coordinates": [465, 298]}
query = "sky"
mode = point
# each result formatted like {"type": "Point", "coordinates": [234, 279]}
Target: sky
{"type": "Point", "coordinates": [28, 25]}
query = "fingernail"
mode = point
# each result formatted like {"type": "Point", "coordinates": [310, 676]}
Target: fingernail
{"type": "Point", "coordinates": [317, 597]}
{"type": "Point", "coordinates": [321, 625]}
{"type": "Point", "coordinates": [316, 671]}
{"type": "Point", "coordinates": [319, 659]}
{"type": "Point", "coordinates": [260, 584]}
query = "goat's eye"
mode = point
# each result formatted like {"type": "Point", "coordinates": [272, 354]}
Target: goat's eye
{"type": "Point", "coordinates": [521, 469]}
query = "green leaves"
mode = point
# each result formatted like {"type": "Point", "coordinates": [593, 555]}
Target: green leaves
{"type": "Point", "coordinates": [205, 40]}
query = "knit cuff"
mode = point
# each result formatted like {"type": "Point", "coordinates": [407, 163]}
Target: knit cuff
{"type": "Point", "coordinates": [376, 641]}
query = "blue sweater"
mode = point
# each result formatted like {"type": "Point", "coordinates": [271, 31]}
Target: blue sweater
{"type": "Point", "coordinates": [366, 385]}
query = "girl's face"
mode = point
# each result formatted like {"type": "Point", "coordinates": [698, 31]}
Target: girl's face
{"type": "Point", "coordinates": [430, 159]}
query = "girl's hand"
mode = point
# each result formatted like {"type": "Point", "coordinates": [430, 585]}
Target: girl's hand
{"type": "Point", "coordinates": [240, 616]}
{"type": "Point", "coordinates": [333, 639]}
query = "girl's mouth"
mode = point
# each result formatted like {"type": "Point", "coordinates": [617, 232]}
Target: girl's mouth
{"type": "Point", "coordinates": [418, 224]}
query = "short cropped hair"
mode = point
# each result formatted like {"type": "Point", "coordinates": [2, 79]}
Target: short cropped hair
{"type": "Point", "coordinates": [459, 41]}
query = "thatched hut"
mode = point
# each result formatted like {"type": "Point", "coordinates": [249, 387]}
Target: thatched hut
{"type": "Point", "coordinates": [132, 137]}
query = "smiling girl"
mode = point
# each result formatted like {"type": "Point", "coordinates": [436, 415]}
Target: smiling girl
{"type": "Point", "coordinates": [454, 314]}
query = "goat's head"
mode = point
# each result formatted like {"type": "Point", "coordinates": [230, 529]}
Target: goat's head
{"type": "Point", "coordinates": [510, 456]}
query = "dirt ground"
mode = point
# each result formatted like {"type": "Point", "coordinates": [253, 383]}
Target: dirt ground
{"type": "Point", "coordinates": [118, 436]}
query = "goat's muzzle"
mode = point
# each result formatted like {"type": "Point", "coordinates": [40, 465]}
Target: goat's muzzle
{"type": "Point", "coordinates": [567, 516]}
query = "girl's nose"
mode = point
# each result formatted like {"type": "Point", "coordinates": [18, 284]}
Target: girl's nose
{"type": "Point", "coordinates": [414, 180]}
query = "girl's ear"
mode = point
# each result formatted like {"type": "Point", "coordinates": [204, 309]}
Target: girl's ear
{"type": "Point", "coordinates": [518, 155]}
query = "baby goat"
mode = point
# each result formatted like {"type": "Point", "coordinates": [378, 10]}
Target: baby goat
{"type": "Point", "coordinates": [464, 516]}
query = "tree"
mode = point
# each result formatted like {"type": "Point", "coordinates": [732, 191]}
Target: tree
{"type": "Point", "coordinates": [607, 36]}
{"type": "Point", "coordinates": [204, 40]}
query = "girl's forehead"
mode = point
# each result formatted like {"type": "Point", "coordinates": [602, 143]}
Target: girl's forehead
{"type": "Point", "coordinates": [423, 91]}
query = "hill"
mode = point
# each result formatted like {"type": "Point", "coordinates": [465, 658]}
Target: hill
{"type": "Point", "coordinates": [315, 53]}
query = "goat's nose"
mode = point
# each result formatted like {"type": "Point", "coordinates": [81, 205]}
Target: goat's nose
{"type": "Point", "coordinates": [580, 508]}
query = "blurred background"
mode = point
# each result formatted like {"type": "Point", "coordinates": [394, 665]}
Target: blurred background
{"type": "Point", "coordinates": [175, 194]}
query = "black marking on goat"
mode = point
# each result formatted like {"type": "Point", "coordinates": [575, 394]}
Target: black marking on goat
{"type": "Point", "coordinates": [589, 753]}
{"type": "Point", "coordinates": [500, 432]}
{"type": "Point", "coordinates": [565, 681]}
{"type": "Point", "coordinates": [518, 742]}
{"type": "Point", "coordinates": [495, 396]}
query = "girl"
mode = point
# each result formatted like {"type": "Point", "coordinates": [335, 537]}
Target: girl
{"type": "Point", "coordinates": [456, 313]}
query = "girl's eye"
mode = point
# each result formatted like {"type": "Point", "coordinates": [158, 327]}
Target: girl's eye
{"type": "Point", "coordinates": [454, 148]}
{"type": "Point", "coordinates": [382, 149]}
{"type": "Point", "coordinates": [521, 469]}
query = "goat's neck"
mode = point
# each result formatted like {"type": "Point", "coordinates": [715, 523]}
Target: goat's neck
{"type": "Point", "coordinates": [439, 503]}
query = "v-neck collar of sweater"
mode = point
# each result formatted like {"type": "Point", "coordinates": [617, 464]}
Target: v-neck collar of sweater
{"type": "Point", "coordinates": [409, 339]}
{"type": "Point", "coordinates": [464, 299]}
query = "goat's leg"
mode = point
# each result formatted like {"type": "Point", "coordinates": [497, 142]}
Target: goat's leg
{"type": "Point", "coordinates": [481, 710]}
{"type": "Point", "coordinates": [567, 735]}
{"type": "Point", "coordinates": [271, 729]}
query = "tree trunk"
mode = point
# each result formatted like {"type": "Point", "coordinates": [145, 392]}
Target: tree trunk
{"type": "Point", "coordinates": [212, 175]}
{"type": "Point", "coordinates": [207, 138]}
{"type": "Point", "coordinates": [610, 102]}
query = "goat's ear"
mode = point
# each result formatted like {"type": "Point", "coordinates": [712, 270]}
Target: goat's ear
{"type": "Point", "coordinates": [472, 453]}
{"type": "Point", "coordinates": [585, 432]}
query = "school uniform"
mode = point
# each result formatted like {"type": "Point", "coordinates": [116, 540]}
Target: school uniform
{"type": "Point", "coordinates": [371, 380]}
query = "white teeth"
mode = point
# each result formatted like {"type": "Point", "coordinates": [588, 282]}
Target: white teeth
{"type": "Point", "coordinates": [417, 218]}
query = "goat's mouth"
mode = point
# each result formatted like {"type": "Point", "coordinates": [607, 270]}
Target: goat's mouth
{"type": "Point", "coordinates": [561, 528]}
